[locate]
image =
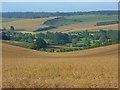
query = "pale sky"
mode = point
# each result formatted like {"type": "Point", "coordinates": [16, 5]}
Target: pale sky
{"type": "Point", "coordinates": [60, 0]}
{"type": "Point", "coordinates": [57, 6]}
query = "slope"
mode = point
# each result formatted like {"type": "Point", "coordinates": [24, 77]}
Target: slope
{"type": "Point", "coordinates": [93, 68]}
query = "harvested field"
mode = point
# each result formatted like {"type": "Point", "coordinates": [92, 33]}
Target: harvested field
{"type": "Point", "coordinates": [82, 26]}
{"type": "Point", "coordinates": [27, 24]}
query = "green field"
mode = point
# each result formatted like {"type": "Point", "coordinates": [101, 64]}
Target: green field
{"type": "Point", "coordinates": [9, 19]}
{"type": "Point", "coordinates": [67, 20]}
{"type": "Point", "coordinates": [89, 18]}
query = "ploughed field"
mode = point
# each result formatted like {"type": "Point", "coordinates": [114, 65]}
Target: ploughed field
{"type": "Point", "coordinates": [92, 68]}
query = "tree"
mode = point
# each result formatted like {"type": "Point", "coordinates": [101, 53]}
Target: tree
{"type": "Point", "coordinates": [96, 36]}
{"type": "Point", "coordinates": [87, 42]}
{"type": "Point", "coordinates": [12, 28]}
{"type": "Point", "coordinates": [5, 36]}
{"type": "Point", "coordinates": [39, 43]}
{"type": "Point", "coordinates": [61, 38]}
{"type": "Point", "coordinates": [85, 34]}
{"type": "Point", "coordinates": [3, 29]}
{"type": "Point", "coordinates": [103, 36]}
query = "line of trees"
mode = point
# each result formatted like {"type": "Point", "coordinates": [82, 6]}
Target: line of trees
{"type": "Point", "coordinates": [107, 23]}
{"type": "Point", "coordinates": [11, 28]}
{"type": "Point", "coordinates": [48, 14]}
{"type": "Point", "coordinates": [45, 28]}
{"type": "Point", "coordinates": [83, 39]}
{"type": "Point", "coordinates": [60, 21]}
{"type": "Point", "coordinates": [55, 38]}
{"type": "Point", "coordinates": [38, 40]}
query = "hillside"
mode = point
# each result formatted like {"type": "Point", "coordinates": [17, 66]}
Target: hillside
{"type": "Point", "coordinates": [27, 24]}
{"type": "Point", "coordinates": [64, 24]}
{"type": "Point", "coordinates": [87, 68]}
{"type": "Point", "coordinates": [84, 26]}
{"type": "Point", "coordinates": [49, 14]}
{"type": "Point", "coordinates": [101, 51]}
{"type": "Point", "coordinates": [9, 19]}
{"type": "Point", "coordinates": [82, 22]}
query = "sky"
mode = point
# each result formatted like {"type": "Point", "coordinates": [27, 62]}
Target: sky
{"type": "Point", "coordinates": [60, 0]}
{"type": "Point", "coordinates": [56, 6]}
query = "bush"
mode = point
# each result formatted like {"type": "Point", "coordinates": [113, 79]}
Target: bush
{"type": "Point", "coordinates": [39, 43]}
{"type": "Point", "coordinates": [12, 28]}
{"type": "Point", "coordinates": [50, 50]}
{"type": "Point", "coordinates": [43, 49]}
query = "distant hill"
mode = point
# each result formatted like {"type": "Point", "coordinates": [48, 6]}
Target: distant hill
{"type": "Point", "coordinates": [49, 14]}
{"type": "Point", "coordinates": [26, 24]}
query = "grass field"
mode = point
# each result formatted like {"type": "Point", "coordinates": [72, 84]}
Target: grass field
{"type": "Point", "coordinates": [89, 18]}
{"type": "Point", "coordinates": [93, 68]}
{"type": "Point", "coordinates": [9, 19]}
{"type": "Point", "coordinates": [27, 24]}
{"type": "Point", "coordinates": [68, 20]}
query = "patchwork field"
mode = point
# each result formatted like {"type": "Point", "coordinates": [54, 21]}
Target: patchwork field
{"type": "Point", "coordinates": [92, 68]}
{"type": "Point", "coordinates": [88, 23]}
{"type": "Point", "coordinates": [66, 24]}
{"type": "Point", "coordinates": [84, 26]}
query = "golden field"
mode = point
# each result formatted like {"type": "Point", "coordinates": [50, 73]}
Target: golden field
{"type": "Point", "coordinates": [26, 24]}
{"type": "Point", "coordinates": [84, 26]}
{"type": "Point", "coordinates": [92, 68]}
{"type": "Point", "coordinates": [29, 25]}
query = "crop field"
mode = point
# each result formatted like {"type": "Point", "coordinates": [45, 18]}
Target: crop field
{"type": "Point", "coordinates": [88, 23]}
{"type": "Point", "coordinates": [60, 60]}
{"type": "Point", "coordinates": [9, 19]}
{"type": "Point", "coordinates": [27, 24]}
{"type": "Point", "coordinates": [89, 18]}
{"type": "Point", "coordinates": [67, 24]}
{"type": "Point", "coordinates": [84, 26]}
{"type": "Point", "coordinates": [92, 68]}
{"type": "Point", "coordinates": [67, 20]}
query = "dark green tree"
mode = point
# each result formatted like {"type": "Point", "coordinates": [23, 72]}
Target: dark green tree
{"type": "Point", "coordinates": [39, 43]}
{"type": "Point", "coordinates": [12, 28]}
{"type": "Point", "coordinates": [5, 36]}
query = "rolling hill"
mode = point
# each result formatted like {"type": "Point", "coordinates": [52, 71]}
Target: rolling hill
{"type": "Point", "coordinates": [88, 22]}
{"type": "Point", "coordinates": [84, 26]}
{"type": "Point", "coordinates": [64, 24]}
{"type": "Point", "coordinates": [92, 68]}
{"type": "Point", "coordinates": [27, 24]}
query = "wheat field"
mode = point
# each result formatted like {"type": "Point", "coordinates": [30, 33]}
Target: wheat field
{"type": "Point", "coordinates": [93, 68]}
{"type": "Point", "coordinates": [29, 25]}
{"type": "Point", "coordinates": [90, 26]}
{"type": "Point", "coordinates": [26, 24]}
